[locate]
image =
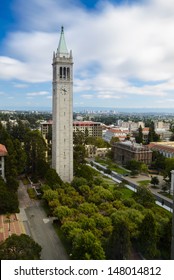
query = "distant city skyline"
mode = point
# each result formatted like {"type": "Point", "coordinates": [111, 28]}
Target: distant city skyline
{"type": "Point", "coordinates": [123, 52]}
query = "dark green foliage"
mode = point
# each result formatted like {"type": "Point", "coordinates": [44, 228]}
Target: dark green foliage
{"type": "Point", "coordinates": [85, 171]}
{"type": "Point", "coordinates": [12, 184]}
{"type": "Point", "coordinates": [164, 242]}
{"type": "Point", "coordinates": [86, 210]}
{"type": "Point", "coordinates": [144, 197]}
{"type": "Point", "coordinates": [52, 178]}
{"type": "Point", "coordinates": [86, 246]}
{"type": "Point", "coordinates": [78, 181]}
{"type": "Point", "coordinates": [35, 148]}
{"type": "Point", "coordinates": [148, 236]}
{"type": "Point", "coordinates": [158, 161]}
{"type": "Point", "coordinates": [20, 247]}
{"type": "Point", "coordinates": [152, 136]}
{"type": "Point", "coordinates": [134, 166]}
{"type": "Point", "coordinates": [119, 242]}
{"type": "Point", "coordinates": [154, 181]}
{"type": "Point", "coordinates": [8, 199]}
{"type": "Point", "coordinates": [139, 137]}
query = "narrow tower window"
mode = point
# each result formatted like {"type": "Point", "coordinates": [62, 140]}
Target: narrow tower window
{"type": "Point", "coordinates": [68, 73]}
{"type": "Point", "coordinates": [60, 72]}
{"type": "Point", "coordinates": [64, 73]}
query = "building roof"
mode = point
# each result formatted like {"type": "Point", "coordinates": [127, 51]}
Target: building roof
{"type": "Point", "coordinates": [116, 130]}
{"type": "Point", "coordinates": [85, 123]}
{"type": "Point", "coordinates": [146, 129]}
{"type": "Point", "coordinates": [162, 146]}
{"type": "Point", "coordinates": [62, 48]}
{"type": "Point", "coordinates": [3, 150]}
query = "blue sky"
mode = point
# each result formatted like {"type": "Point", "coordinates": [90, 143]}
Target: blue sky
{"type": "Point", "coordinates": [123, 52]}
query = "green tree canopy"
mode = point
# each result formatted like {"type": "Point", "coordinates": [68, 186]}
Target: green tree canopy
{"type": "Point", "coordinates": [20, 247]}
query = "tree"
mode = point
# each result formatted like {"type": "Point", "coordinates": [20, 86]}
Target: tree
{"type": "Point", "coordinates": [8, 199]}
{"type": "Point", "coordinates": [154, 181]}
{"type": "Point", "coordinates": [79, 155]}
{"type": "Point", "coordinates": [158, 161]}
{"type": "Point", "coordinates": [114, 139]}
{"type": "Point", "coordinates": [152, 136]}
{"type": "Point", "coordinates": [148, 236]}
{"type": "Point", "coordinates": [139, 137]}
{"type": "Point", "coordinates": [78, 138]}
{"type": "Point", "coordinates": [134, 166]}
{"type": "Point", "coordinates": [169, 166]}
{"type": "Point", "coordinates": [61, 212]}
{"type": "Point", "coordinates": [86, 246]}
{"type": "Point", "coordinates": [144, 197]}
{"type": "Point", "coordinates": [119, 243]}
{"type": "Point", "coordinates": [52, 178]}
{"type": "Point", "coordinates": [35, 148]}
{"type": "Point", "coordinates": [20, 247]}
{"type": "Point", "coordinates": [85, 171]}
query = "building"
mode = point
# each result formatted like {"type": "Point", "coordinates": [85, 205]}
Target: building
{"type": "Point", "coordinates": [93, 151]}
{"type": "Point", "coordinates": [3, 154]}
{"type": "Point", "coordinates": [121, 134]}
{"type": "Point", "coordinates": [46, 127]}
{"type": "Point", "coordinates": [164, 148]}
{"type": "Point", "coordinates": [126, 151]}
{"type": "Point", "coordinates": [94, 129]}
{"type": "Point", "coordinates": [88, 127]}
{"type": "Point", "coordinates": [62, 130]}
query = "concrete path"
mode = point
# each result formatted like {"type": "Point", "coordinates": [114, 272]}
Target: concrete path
{"type": "Point", "coordinates": [39, 226]}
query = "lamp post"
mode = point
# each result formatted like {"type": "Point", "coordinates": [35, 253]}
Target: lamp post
{"type": "Point", "coordinates": [172, 192]}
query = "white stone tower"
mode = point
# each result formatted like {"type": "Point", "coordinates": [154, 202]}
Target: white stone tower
{"type": "Point", "coordinates": [62, 135]}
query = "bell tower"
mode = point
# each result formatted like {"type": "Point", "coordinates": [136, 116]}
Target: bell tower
{"type": "Point", "coordinates": [62, 110]}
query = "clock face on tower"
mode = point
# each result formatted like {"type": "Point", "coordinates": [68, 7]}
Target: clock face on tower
{"type": "Point", "coordinates": [64, 90]}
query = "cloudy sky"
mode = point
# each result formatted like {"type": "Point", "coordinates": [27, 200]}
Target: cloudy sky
{"type": "Point", "coordinates": [123, 52]}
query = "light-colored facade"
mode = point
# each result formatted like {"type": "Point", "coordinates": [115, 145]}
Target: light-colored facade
{"type": "Point", "coordinates": [62, 131]}
{"type": "Point", "coordinates": [121, 134]}
{"type": "Point", "coordinates": [3, 153]}
{"type": "Point", "coordinates": [164, 148]}
{"type": "Point", "coordinates": [91, 128]}
{"type": "Point", "coordinates": [93, 151]}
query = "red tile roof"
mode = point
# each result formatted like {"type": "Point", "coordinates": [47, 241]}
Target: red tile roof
{"type": "Point", "coordinates": [3, 150]}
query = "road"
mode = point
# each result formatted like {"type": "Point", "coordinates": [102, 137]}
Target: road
{"type": "Point", "coordinates": [40, 227]}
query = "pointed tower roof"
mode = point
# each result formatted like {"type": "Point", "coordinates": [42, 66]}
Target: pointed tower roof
{"type": "Point", "coordinates": [62, 48]}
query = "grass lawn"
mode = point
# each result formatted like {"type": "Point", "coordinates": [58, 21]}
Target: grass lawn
{"type": "Point", "coordinates": [25, 181]}
{"type": "Point", "coordinates": [126, 193]}
{"type": "Point", "coordinates": [143, 183]}
{"type": "Point", "coordinates": [31, 192]}
{"type": "Point", "coordinates": [111, 165]}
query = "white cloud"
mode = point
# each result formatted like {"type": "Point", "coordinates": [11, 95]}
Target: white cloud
{"type": "Point", "coordinates": [87, 96]}
{"type": "Point", "coordinates": [19, 85]}
{"type": "Point", "coordinates": [111, 46]}
{"type": "Point", "coordinates": [37, 93]}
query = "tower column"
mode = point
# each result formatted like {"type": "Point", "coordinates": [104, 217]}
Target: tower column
{"type": "Point", "coordinates": [62, 133]}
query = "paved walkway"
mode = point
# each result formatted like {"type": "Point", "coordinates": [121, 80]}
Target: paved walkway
{"type": "Point", "coordinates": [39, 226]}
{"type": "Point", "coordinates": [10, 224]}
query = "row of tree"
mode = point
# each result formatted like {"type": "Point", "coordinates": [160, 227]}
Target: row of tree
{"type": "Point", "coordinates": [99, 223]}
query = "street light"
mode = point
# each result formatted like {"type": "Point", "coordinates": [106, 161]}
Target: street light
{"type": "Point", "coordinates": [172, 191]}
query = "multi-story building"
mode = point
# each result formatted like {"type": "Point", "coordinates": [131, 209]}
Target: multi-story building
{"type": "Point", "coordinates": [121, 134]}
{"type": "Point", "coordinates": [126, 151]}
{"type": "Point", "coordinates": [91, 128]}
{"type": "Point", "coordinates": [62, 132]}
{"type": "Point", "coordinates": [165, 148]}
{"type": "Point", "coordinates": [3, 153]}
